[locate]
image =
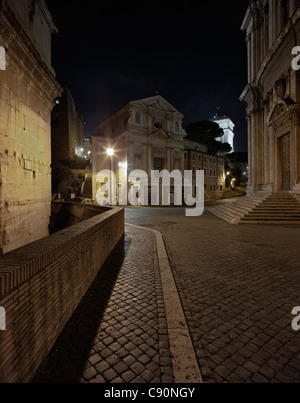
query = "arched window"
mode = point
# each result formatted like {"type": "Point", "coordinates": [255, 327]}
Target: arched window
{"type": "Point", "coordinates": [138, 118]}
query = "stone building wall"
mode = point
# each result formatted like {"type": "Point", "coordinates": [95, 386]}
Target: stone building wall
{"type": "Point", "coordinates": [273, 96]}
{"type": "Point", "coordinates": [42, 284]}
{"type": "Point", "coordinates": [27, 91]}
{"type": "Point", "coordinates": [67, 128]}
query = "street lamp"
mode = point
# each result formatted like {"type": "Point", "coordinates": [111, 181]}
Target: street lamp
{"type": "Point", "coordinates": [110, 152]}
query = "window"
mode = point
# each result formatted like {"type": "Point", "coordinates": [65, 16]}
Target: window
{"type": "Point", "coordinates": [210, 172]}
{"type": "Point", "coordinates": [214, 161]}
{"type": "Point", "coordinates": [210, 160]}
{"type": "Point", "coordinates": [214, 188]}
{"type": "Point", "coordinates": [158, 125]}
{"type": "Point", "coordinates": [200, 158]}
{"type": "Point", "coordinates": [221, 188]}
{"type": "Point", "coordinates": [185, 156]}
{"type": "Point", "coordinates": [205, 171]}
{"type": "Point", "coordinates": [210, 188]}
{"type": "Point", "coordinates": [204, 159]}
{"type": "Point", "coordinates": [193, 156]}
{"type": "Point", "coordinates": [159, 164]}
{"type": "Point", "coordinates": [214, 173]}
{"type": "Point", "coordinates": [138, 118]}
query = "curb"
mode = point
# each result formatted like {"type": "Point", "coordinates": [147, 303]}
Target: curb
{"type": "Point", "coordinates": [185, 365]}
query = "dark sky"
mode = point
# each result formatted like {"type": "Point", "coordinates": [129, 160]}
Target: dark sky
{"type": "Point", "coordinates": [192, 52]}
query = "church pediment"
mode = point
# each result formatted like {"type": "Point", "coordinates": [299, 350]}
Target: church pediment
{"type": "Point", "coordinates": [160, 135]}
{"type": "Point", "coordinates": [159, 103]}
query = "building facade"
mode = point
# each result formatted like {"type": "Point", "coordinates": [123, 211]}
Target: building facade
{"type": "Point", "coordinates": [148, 135]}
{"type": "Point", "coordinates": [273, 95]}
{"type": "Point", "coordinates": [27, 91]}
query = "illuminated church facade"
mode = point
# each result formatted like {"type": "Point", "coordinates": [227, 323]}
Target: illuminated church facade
{"type": "Point", "coordinates": [148, 135]}
{"type": "Point", "coordinates": [273, 96]}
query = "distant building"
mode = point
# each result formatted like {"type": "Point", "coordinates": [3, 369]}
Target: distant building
{"type": "Point", "coordinates": [147, 134]}
{"type": "Point", "coordinates": [196, 158]}
{"type": "Point", "coordinates": [67, 128]}
{"type": "Point", "coordinates": [273, 96]}
{"type": "Point", "coordinates": [27, 91]}
{"type": "Point", "coordinates": [228, 127]}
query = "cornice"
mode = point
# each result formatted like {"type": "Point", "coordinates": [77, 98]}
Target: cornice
{"type": "Point", "coordinates": [47, 15]}
{"type": "Point", "coordinates": [290, 26]}
{"type": "Point", "coordinates": [24, 58]}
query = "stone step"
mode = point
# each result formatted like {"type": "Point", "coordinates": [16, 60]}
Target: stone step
{"type": "Point", "coordinates": [269, 211]}
{"type": "Point", "coordinates": [272, 216]}
{"type": "Point", "coordinates": [279, 204]}
{"type": "Point", "coordinates": [263, 222]}
{"type": "Point", "coordinates": [276, 208]}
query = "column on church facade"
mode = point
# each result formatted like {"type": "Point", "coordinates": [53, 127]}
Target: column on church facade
{"type": "Point", "coordinates": [266, 150]}
{"type": "Point", "coordinates": [271, 156]}
{"type": "Point", "coordinates": [145, 157]}
{"type": "Point", "coordinates": [256, 41]}
{"type": "Point", "coordinates": [169, 167]}
{"type": "Point", "coordinates": [250, 153]}
{"type": "Point", "coordinates": [296, 145]}
{"type": "Point", "coordinates": [249, 50]}
{"type": "Point", "coordinates": [266, 173]}
{"type": "Point", "coordinates": [274, 14]}
{"type": "Point", "coordinates": [265, 37]}
{"type": "Point", "coordinates": [149, 157]}
{"type": "Point", "coordinates": [257, 157]}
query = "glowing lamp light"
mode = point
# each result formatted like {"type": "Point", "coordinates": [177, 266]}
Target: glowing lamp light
{"type": "Point", "coordinates": [110, 152]}
{"type": "Point", "coordinates": [123, 165]}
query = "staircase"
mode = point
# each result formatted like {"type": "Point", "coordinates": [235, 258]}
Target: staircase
{"type": "Point", "coordinates": [275, 208]}
{"type": "Point", "coordinates": [234, 210]}
{"type": "Point", "coordinates": [278, 208]}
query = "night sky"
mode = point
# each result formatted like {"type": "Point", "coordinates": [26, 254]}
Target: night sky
{"type": "Point", "coordinates": [192, 52]}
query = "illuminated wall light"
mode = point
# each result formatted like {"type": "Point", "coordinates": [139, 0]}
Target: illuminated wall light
{"type": "Point", "coordinates": [110, 152]}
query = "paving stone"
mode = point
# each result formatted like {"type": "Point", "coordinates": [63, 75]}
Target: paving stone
{"type": "Point", "coordinates": [126, 300]}
{"type": "Point", "coordinates": [246, 295]}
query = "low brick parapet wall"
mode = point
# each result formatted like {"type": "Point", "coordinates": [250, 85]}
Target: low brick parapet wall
{"type": "Point", "coordinates": [41, 285]}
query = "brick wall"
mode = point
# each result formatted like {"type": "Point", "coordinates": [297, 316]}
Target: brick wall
{"type": "Point", "coordinates": [41, 285]}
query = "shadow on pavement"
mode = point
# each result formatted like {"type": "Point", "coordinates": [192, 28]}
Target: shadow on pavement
{"type": "Point", "coordinates": [68, 358]}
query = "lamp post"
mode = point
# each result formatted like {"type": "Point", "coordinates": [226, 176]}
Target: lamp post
{"type": "Point", "coordinates": [110, 152]}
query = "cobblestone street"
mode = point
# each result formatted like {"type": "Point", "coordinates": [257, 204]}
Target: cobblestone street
{"type": "Point", "coordinates": [238, 286]}
{"type": "Point", "coordinates": [119, 332]}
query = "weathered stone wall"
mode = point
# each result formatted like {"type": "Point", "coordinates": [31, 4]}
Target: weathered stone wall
{"type": "Point", "coordinates": [67, 128]}
{"type": "Point", "coordinates": [41, 285]}
{"type": "Point", "coordinates": [27, 92]}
